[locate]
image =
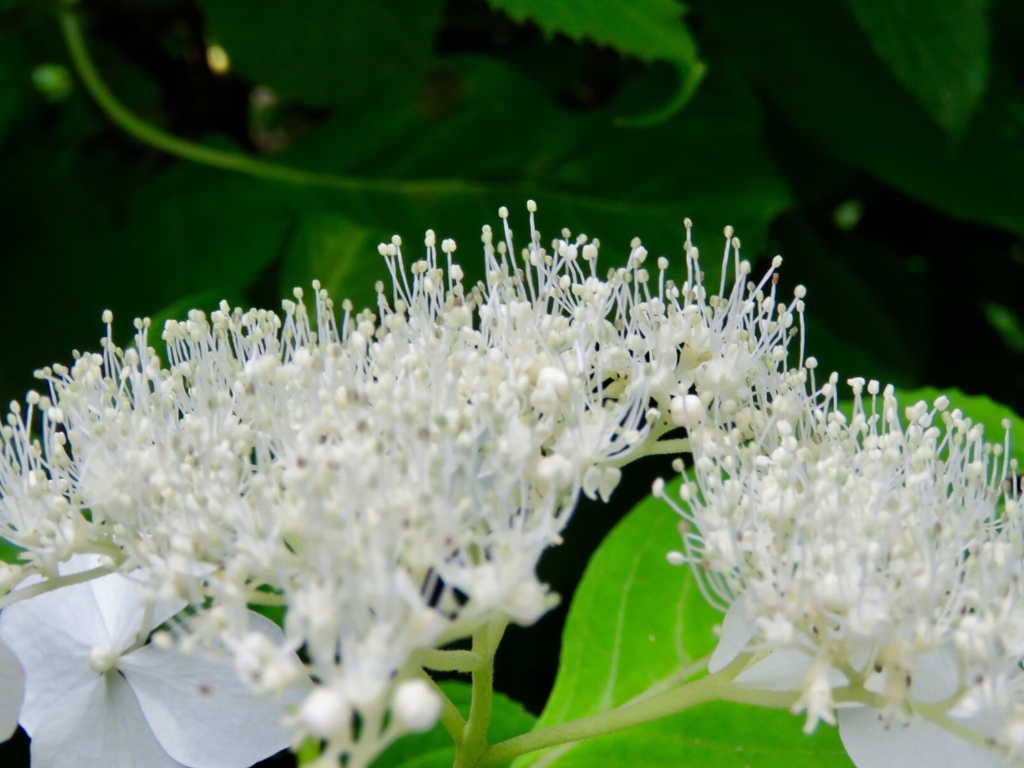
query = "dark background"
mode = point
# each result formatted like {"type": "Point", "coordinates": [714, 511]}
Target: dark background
{"type": "Point", "coordinates": [878, 147]}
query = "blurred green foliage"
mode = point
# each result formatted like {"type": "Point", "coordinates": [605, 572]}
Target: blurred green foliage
{"type": "Point", "coordinates": [948, 74]}
{"type": "Point", "coordinates": [878, 147]}
{"type": "Point", "coordinates": [779, 119]}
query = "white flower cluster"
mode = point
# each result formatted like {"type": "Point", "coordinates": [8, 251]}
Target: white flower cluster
{"type": "Point", "coordinates": [98, 694]}
{"type": "Point", "coordinates": [870, 560]}
{"type": "Point", "coordinates": [390, 479]}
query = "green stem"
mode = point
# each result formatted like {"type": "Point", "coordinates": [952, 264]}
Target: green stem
{"type": "Point", "coordinates": [675, 445]}
{"type": "Point", "coordinates": [474, 736]}
{"type": "Point", "coordinates": [267, 599]}
{"type": "Point", "coordinates": [654, 445]}
{"type": "Point", "coordinates": [451, 718]}
{"type": "Point", "coordinates": [235, 161]}
{"type": "Point", "coordinates": [711, 688]}
{"type": "Point", "coordinates": [230, 161]}
{"type": "Point", "coordinates": [937, 715]}
{"type": "Point", "coordinates": [42, 587]}
{"type": "Point", "coordinates": [451, 661]}
{"type": "Point", "coordinates": [148, 134]}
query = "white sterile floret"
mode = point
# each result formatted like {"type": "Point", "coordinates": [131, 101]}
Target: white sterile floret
{"type": "Point", "coordinates": [416, 705]}
{"type": "Point", "coordinates": [866, 558]}
{"type": "Point", "coordinates": [12, 691]}
{"type": "Point", "coordinates": [96, 694]}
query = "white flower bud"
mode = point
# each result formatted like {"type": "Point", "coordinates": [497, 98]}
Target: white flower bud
{"type": "Point", "coordinates": [102, 659]}
{"type": "Point", "coordinates": [416, 705]}
{"type": "Point", "coordinates": [687, 410]}
{"type": "Point", "coordinates": [325, 713]}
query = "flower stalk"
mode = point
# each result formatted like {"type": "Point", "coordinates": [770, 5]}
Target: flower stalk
{"type": "Point", "coordinates": [473, 743]}
{"type": "Point", "coordinates": [714, 687]}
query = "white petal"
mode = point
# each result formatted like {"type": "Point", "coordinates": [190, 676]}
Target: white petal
{"type": "Point", "coordinates": [12, 691]}
{"type": "Point", "coordinates": [106, 611]}
{"type": "Point", "coordinates": [121, 603]}
{"type": "Point", "coordinates": [201, 712]}
{"type": "Point", "coordinates": [919, 744]}
{"type": "Point", "coordinates": [97, 725]}
{"type": "Point", "coordinates": [53, 634]}
{"type": "Point", "coordinates": [738, 629]}
{"type": "Point", "coordinates": [74, 564]}
{"type": "Point", "coordinates": [69, 611]}
{"type": "Point", "coordinates": [43, 635]}
{"type": "Point", "coordinates": [782, 670]}
{"type": "Point", "coordinates": [936, 676]}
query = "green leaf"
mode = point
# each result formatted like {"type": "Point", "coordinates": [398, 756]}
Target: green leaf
{"type": "Point", "coordinates": [815, 63]}
{"type": "Point", "coordinates": [340, 253]}
{"type": "Point", "coordinates": [325, 52]}
{"type": "Point", "coordinates": [634, 623]}
{"type": "Point", "coordinates": [435, 749]}
{"type": "Point", "coordinates": [938, 50]}
{"type": "Point", "coordinates": [50, 212]}
{"type": "Point", "coordinates": [14, 79]}
{"type": "Point", "coordinates": [207, 301]}
{"type": "Point", "coordinates": [1007, 324]}
{"type": "Point", "coordinates": [650, 30]}
{"type": "Point", "coordinates": [204, 232]}
{"type": "Point", "coordinates": [647, 29]}
{"type": "Point", "coordinates": [480, 136]}
{"type": "Point", "coordinates": [190, 232]}
{"type": "Point", "coordinates": [715, 735]}
{"type": "Point", "coordinates": [981, 409]}
{"type": "Point", "coordinates": [8, 552]}
{"type": "Point", "coordinates": [860, 277]}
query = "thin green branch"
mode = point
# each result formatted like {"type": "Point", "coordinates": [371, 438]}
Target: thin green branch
{"type": "Point", "coordinates": [654, 444]}
{"type": "Point", "coordinates": [674, 445]}
{"type": "Point", "coordinates": [646, 708]}
{"type": "Point", "coordinates": [149, 134]}
{"type": "Point", "coordinates": [451, 661]}
{"type": "Point", "coordinates": [689, 75]}
{"type": "Point", "coordinates": [936, 713]}
{"type": "Point", "coordinates": [451, 718]}
{"type": "Point", "coordinates": [42, 587]}
{"type": "Point", "coordinates": [711, 688]}
{"type": "Point", "coordinates": [266, 599]}
{"type": "Point", "coordinates": [474, 736]}
{"type": "Point", "coordinates": [678, 678]}
{"type": "Point", "coordinates": [217, 158]}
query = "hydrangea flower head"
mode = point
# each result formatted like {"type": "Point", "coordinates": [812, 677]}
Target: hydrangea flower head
{"type": "Point", "coordinates": [866, 559]}
{"type": "Point", "coordinates": [391, 478]}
